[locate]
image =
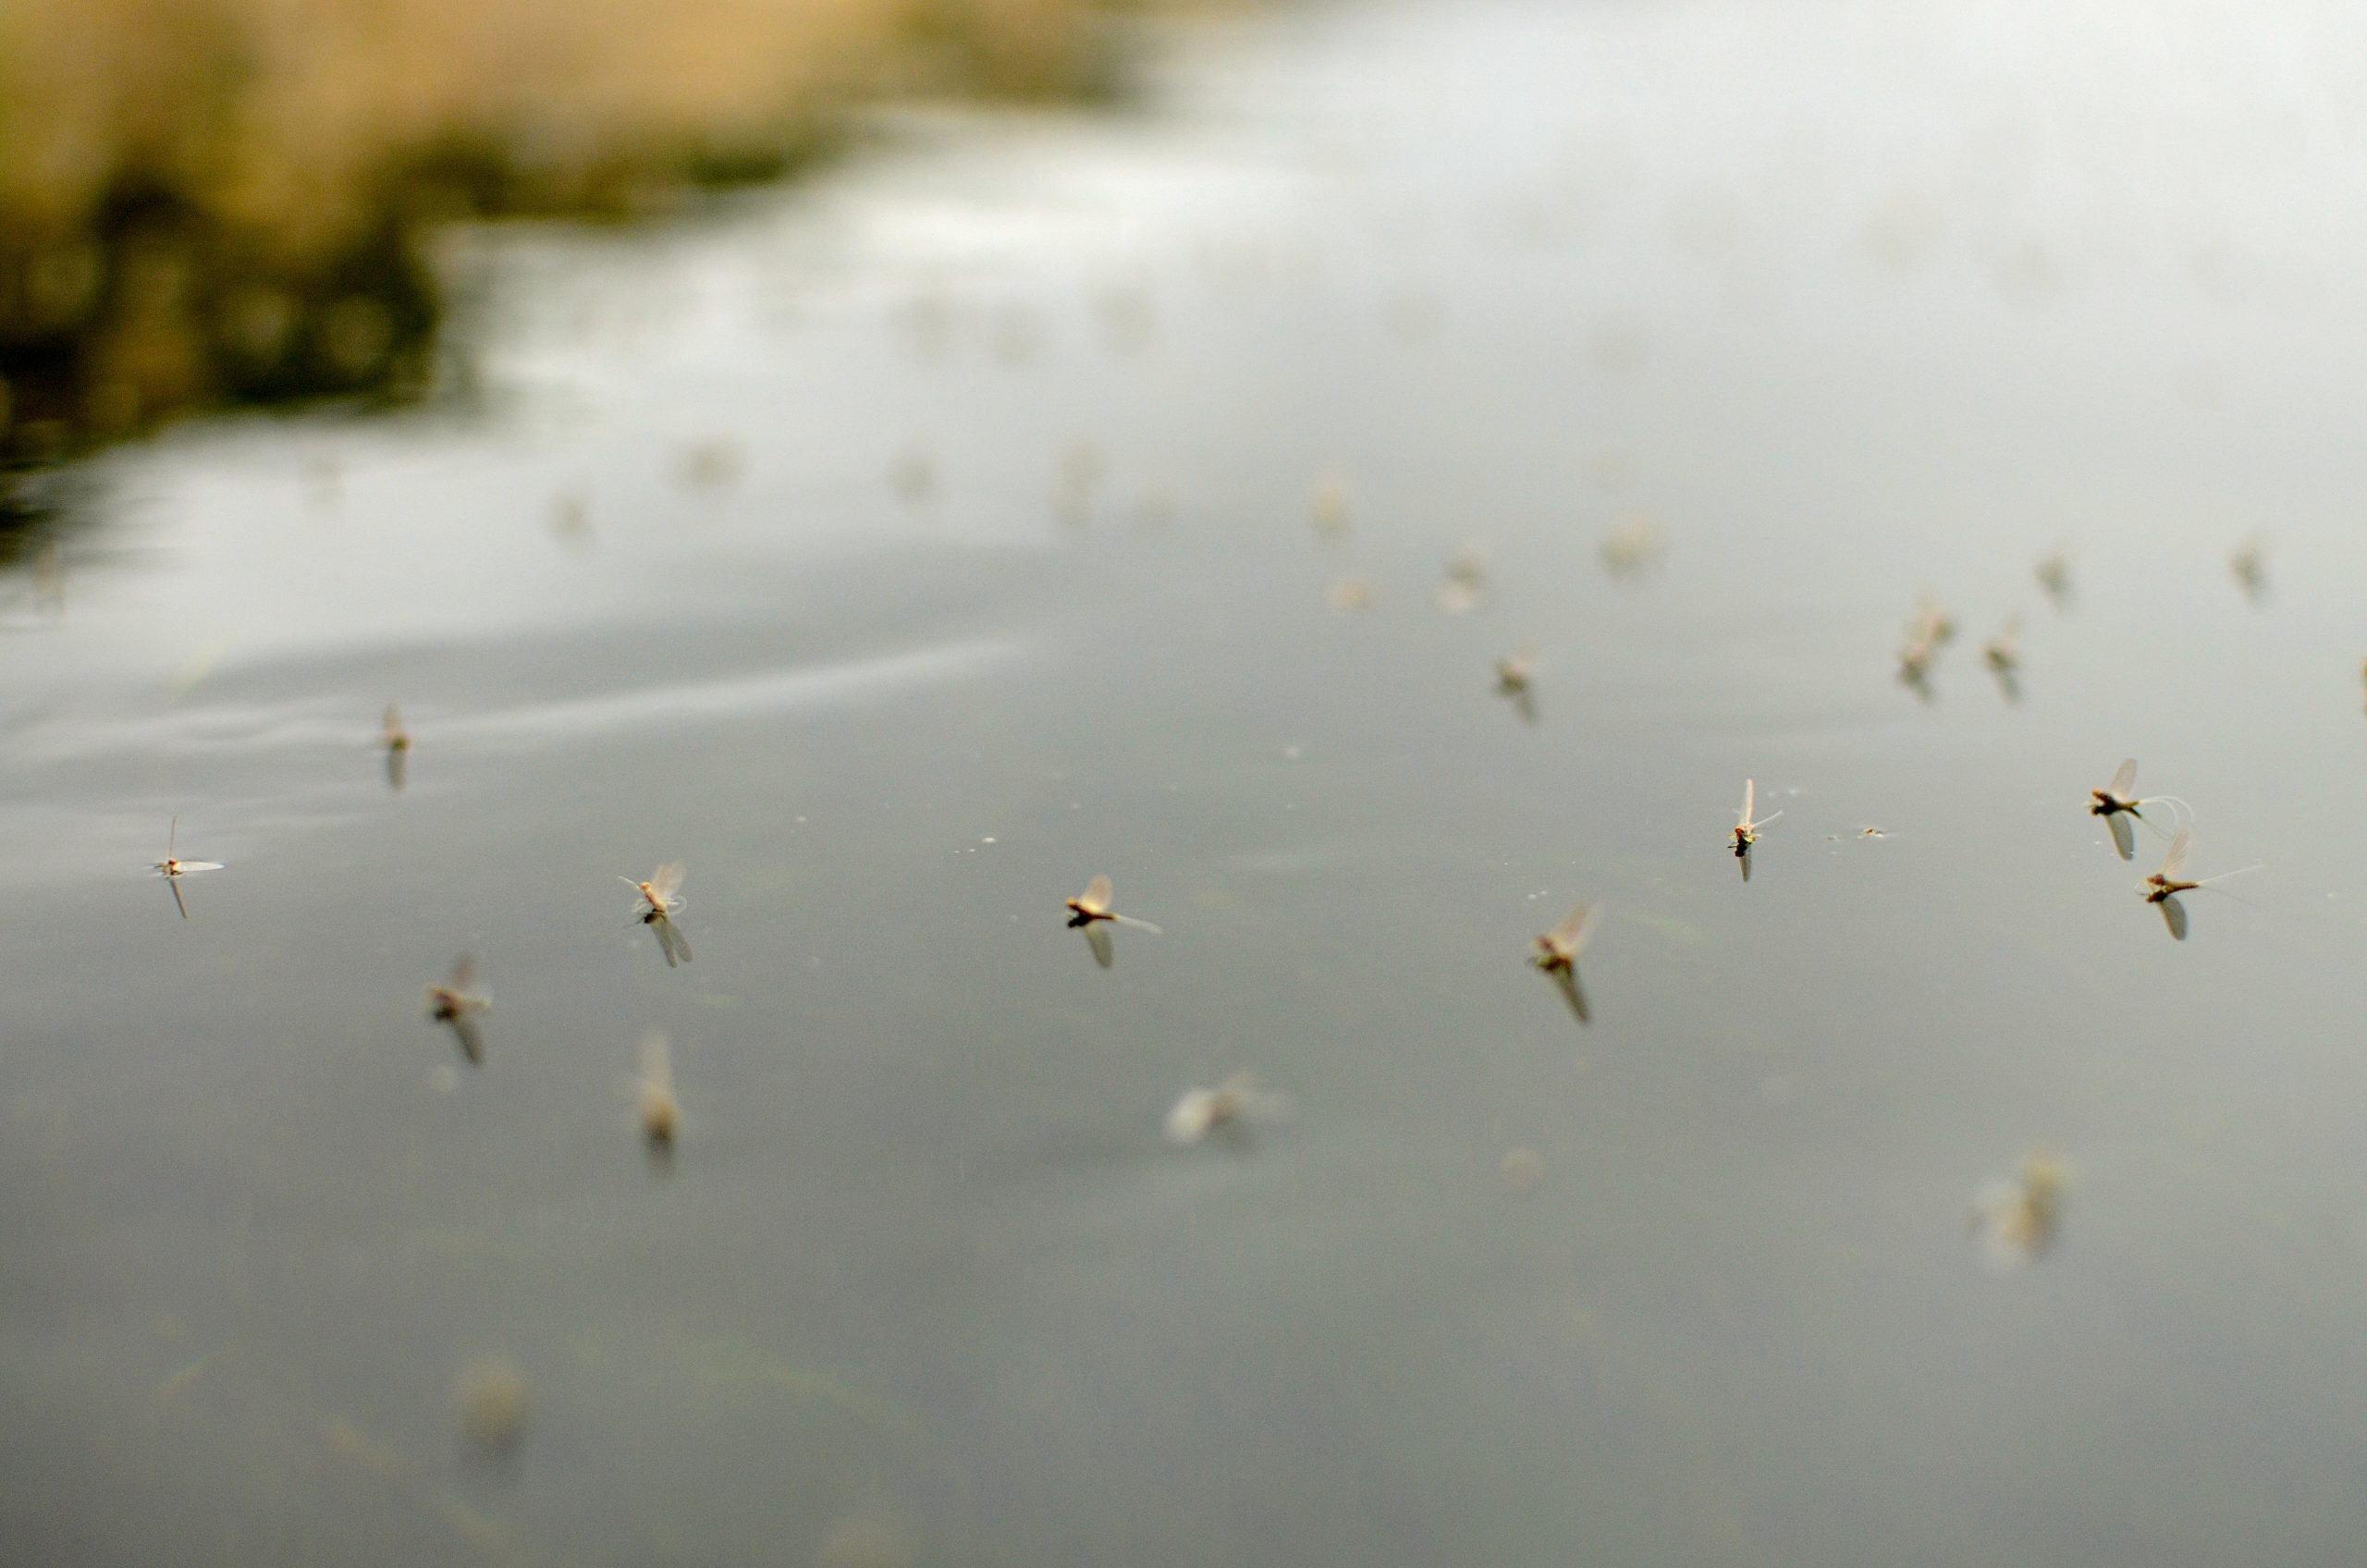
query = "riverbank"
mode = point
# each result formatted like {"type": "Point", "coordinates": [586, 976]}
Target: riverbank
{"type": "Point", "coordinates": [224, 200]}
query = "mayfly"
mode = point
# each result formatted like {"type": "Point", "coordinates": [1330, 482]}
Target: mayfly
{"type": "Point", "coordinates": [453, 1005]}
{"type": "Point", "coordinates": [658, 894]}
{"type": "Point", "coordinates": [2172, 878]}
{"type": "Point", "coordinates": [2004, 652]}
{"type": "Point", "coordinates": [2250, 563]}
{"type": "Point", "coordinates": [1232, 1104]}
{"type": "Point", "coordinates": [2115, 801]}
{"type": "Point", "coordinates": [1915, 664]}
{"type": "Point", "coordinates": [1515, 680]}
{"type": "Point", "coordinates": [1465, 582]}
{"type": "Point", "coordinates": [1555, 954]}
{"type": "Point", "coordinates": [1746, 827]}
{"type": "Point", "coordinates": [2018, 1219]}
{"type": "Point", "coordinates": [661, 1112]}
{"type": "Point", "coordinates": [2054, 573]}
{"type": "Point", "coordinates": [397, 740]}
{"type": "Point", "coordinates": [1559, 949]}
{"type": "Point", "coordinates": [172, 869]}
{"type": "Point", "coordinates": [1090, 909]}
{"type": "Point", "coordinates": [660, 901]}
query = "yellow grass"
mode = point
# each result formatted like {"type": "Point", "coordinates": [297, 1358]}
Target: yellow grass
{"type": "Point", "coordinates": [197, 195]}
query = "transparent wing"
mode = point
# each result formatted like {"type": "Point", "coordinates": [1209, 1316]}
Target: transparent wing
{"type": "Point", "coordinates": [2174, 916]}
{"type": "Point", "coordinates": [2124, 777]}
{"type": "Point", "coordinates": [1571, 935]}
{"type": "Point", "coordinates": [464, 1029]}
{"type": "Point", "coordinates": [667, 880]}
{"type": "Point", "coordinates": [178, 902]}
{"type": "Point", "coordinates": [1188, 1120]}
{"type": "Point", "coordinates": [1096, 895]}
{"type": "Point", "coordinates": [1573, 995]}
{"type": "Point", "coordinates": [464, 970]}
{"type": "Point", "coordinates": [173, 840]}
{"type": "Point", "coordinates": [1750, 800]}
{"type": "Point", "coordinates": [2122, 839]}
{"type": "Point", "coordinates": [200, 865]}
{"type": "Point", "coordinates": [1096, 937]}
{"type": "Point", "coordinates": [1129, 921]}
{"type": "Point", "coordinates": [681, 943]}
{"type": "Point", "coordinates": [656, 1062]}
{"type": "Point", "coordinates": [2174, 862]}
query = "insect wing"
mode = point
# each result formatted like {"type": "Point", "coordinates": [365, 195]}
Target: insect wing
{"type": "Point", "coordinates": [2123, 780]}
{"type": "Point", "coordinates": [2122, 839]}
{"type": "Point", "coordinates": [667, 880]}
{"type": "Point", "coordinates": [1750, 800]}
{"type": "Point", "coordinates": [1095, 900]}
{"type": "Point", "coordinates": [1130, 924]}
{"type": "Point", "coordinates": [1096, 937]}
{"type": "Point", "coordinates": [1570, 936]}
{"type": "Point", "coordinates": [2175, 861]}
{"type": "Point", "coordinates": [200, 865]}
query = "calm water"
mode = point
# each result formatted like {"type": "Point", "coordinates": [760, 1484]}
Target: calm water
{"type": "Point", "coordinates": [944, 539]}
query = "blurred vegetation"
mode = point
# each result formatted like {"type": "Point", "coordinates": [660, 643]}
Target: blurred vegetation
{"type": "Point", "coordinates": [207, 200]}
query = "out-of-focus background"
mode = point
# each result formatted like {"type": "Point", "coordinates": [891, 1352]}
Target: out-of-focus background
{"type": "Point", "coordinates": [229, 200]}
{"type": "Point", "coordinates": [1365, 476]}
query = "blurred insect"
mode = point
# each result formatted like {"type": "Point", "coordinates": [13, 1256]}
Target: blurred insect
{"type": "Point", "coordinates": [493, 1404]}
{"type": "Point", "coordinates": [1330, 505]}
{"type": "Point", "coordinates": [452, 1005]}
{"type": "Point", "coordinates": [661, 1112]}
{"type": "Point", "coordinates": [1349, 594]}
{"type": "Point", "coordinates": [397, 741]}
{"type": "Point", "coordinates": [173, 869]}
{"type": "Point", "coordinates": [912, 475]}
{"type": "Point", "coordinates": [1915, 665]}
{"type": "Point", "coordinates": [2054, 572]}
{"type": "Point", "coordinates": [1465, 583]}
{"type": "Point", "coordinates": [1090, 909]}
{"type": "Point", "coordinates": [2003, 653]}
{"type": "Point", "coordinates": [1231, 1105]}
{"type": "Point", "coordinates": [1930, 623]}
{"type": "Point", "coordinates": [1515, 677]}
{"type": "Point", "coordinates": [1632, 549]}
{"type": "Point", "coordinates": [2017, 1220]}
{"type": "Point", "coordinates": [1558, 950]}
{"type": "Point", "coordinates": [2250, 564]}
{"type": "Point", "coordinates": [1555, 954]}
{"type": "Point", "coordinates": [1746, 827]}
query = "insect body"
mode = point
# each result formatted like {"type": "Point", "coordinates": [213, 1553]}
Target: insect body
{"type": "Point", "coordinates": [452, 1005]}
{"type": "Point", "coordinates": [1746, 827]}
{"type": "Point", "coordinates": [661, 1112]}
{"type": "Point", "coordinates": [172, 868]}
{"type": "Point", "coordinates": [1090, 910]}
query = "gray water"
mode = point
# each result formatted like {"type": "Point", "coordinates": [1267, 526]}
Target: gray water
{"type": "Point", "coordinates": [1857, 301]}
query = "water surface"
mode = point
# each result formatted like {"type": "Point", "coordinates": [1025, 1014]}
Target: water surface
{"type": "Point", "coordinates": [903, 547]}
